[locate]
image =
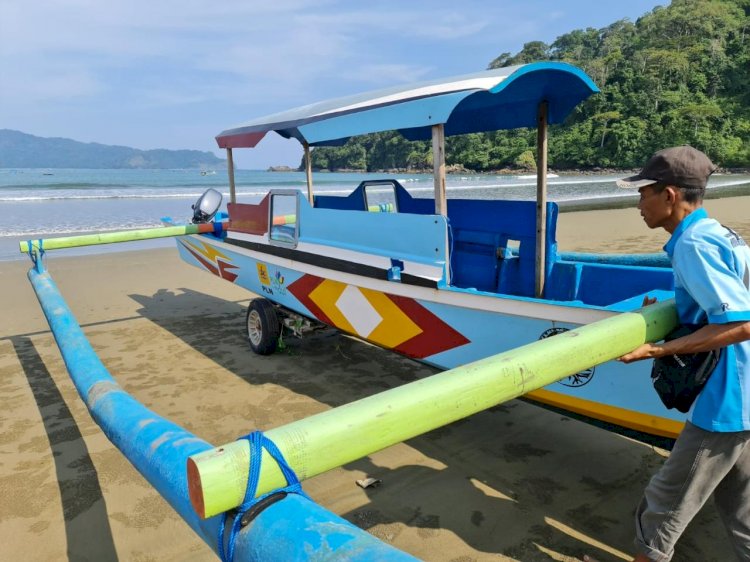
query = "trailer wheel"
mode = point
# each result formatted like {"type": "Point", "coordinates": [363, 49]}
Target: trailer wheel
{"type": "Point", "coordinates": [263, 328]}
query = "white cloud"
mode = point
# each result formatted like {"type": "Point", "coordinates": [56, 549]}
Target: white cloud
{"type": "Point", "coordinates": [288, 42]}
{"type": "Point", "coordinates": [434, 24]}
{"type": "Point", "coordinates": [34, 81]}
{"type": "Point", "coordinates": [389, 74]}
{"type": "Point", "coordinates": [113, 66]}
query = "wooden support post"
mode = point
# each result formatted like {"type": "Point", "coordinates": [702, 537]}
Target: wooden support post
{"type": "Point", "coordinates": [541, 199]}
{"type": "Point", "coordinates": [308, 172]}
{"type": "Point", "coordinates": [438, 167]}
{"type": "Point", "coordinates": [230, 170]}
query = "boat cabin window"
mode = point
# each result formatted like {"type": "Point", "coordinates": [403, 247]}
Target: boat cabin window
{"type": "Point", "coordinates": [380, 196]}
{"type": "Point", "coordinates": [284, 212]}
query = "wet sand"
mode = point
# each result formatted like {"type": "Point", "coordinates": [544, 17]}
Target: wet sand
{"type": "Point", "coordinates": [513, 483]}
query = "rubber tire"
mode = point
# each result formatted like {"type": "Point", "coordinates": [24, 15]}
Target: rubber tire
{"type": "Point", "coordinates": [263, 327]}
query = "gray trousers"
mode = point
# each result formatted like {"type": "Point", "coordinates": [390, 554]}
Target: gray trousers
{"type": "Point", "coordinates": [702, 462]}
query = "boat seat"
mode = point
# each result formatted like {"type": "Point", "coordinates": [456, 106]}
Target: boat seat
{"type": "Point", "coordinates": [355, 201]}
{"type": "Point", "coordinates": [474, 260]}
{"type": "Point", "coordinates": [563, 281]}
{"type": "Point", "coordinates": [603, 284]}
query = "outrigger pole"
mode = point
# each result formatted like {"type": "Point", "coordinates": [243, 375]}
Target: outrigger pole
{"type": "Point", "coordinates": [217, 478]}
{"type": "Point", "coordinates": [120, 236]}
{"type": "Point", "coordinates": [293, 528]}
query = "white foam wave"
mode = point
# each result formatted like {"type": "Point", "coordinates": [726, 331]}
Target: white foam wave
{"type": "Point", "coordinates": [180, 195]}
{"type": "Point", "coordinates": [61, 230]}
{"type": "Point", "coordinates": [729, 183]}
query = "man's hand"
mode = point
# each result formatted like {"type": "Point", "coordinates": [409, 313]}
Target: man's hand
{"type": "Point", "coordinates": [645, 351]}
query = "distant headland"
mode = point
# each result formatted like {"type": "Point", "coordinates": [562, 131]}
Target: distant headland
{"type": "Point", "coordinates": [282, 169]}
{"type": "Point", "coordinates": [21, 150]}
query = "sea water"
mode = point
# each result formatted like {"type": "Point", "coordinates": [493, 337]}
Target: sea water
{"type": "Point", "coordinates": [37, 203]}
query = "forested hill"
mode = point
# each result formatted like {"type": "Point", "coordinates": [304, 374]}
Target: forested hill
{"type": "Point", "coordinates": [20, 150]}
{"type": "Point", "coordinates": [678, 75]}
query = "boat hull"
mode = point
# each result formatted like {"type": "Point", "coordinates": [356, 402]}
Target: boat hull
{"type": "Point", "coordinates": [445, 327]}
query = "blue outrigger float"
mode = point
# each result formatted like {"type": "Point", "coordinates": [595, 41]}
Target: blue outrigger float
{"type": "Point", "coordinates": [457, 284]}
{"type": "Point", "coordinates": [441, 281]}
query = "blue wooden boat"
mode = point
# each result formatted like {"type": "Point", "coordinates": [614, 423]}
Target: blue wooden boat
{"type": "Point", "coordinates": [445, 282]}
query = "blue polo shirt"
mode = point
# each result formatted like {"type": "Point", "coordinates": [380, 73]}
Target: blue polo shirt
{"type": "Point", "coordinates": [711, 266]}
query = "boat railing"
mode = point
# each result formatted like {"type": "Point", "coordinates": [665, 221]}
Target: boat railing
{"type": "Point", "coordinates": [380, 195]}
{"type": "Point", "coordinates": [491, 243]}
{"type": "Point", "coordinates": [401, 237]}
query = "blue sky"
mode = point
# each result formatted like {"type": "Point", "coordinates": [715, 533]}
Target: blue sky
{"type": "Point", "coordinates": [172, 74]}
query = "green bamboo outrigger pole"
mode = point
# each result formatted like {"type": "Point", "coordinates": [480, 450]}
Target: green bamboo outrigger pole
{"type": "Point", "coordinates": [217, 478]}
{"type": "Point", "coordinates": [115, 237]}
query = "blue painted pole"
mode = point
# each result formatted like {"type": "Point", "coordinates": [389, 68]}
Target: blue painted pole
{"type": "Point", "coordinates": [294, 528]}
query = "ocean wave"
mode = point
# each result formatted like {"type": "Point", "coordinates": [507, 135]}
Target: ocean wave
{"type": "Point", "coordinates": [729, 183]}
{"type": "Point", "coordinates": [25, 197]}
{"type": "Point", "coordinates": [466, 184]}
{"type": "Point", "coordinates": [66, 185]}
{"type": "Point", "coordinates": [183, 195]}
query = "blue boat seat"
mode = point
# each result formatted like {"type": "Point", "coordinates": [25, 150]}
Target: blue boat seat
{"type": "Point", "coordinates": [355, 201]}
{"type": "Point", "coordinates": [602, 284]}
{"type": "Point", "coordinates": [564, 281]}
{"type": "Point", "coordinates": [605, 284]}
{"type": "Point", "coordinates": [484, 233]}
{"type": "Point", "coordinates": [474, 259]}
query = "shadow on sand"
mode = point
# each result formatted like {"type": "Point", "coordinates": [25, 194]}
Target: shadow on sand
{"type": "Point", "coordinates": [83, 504]}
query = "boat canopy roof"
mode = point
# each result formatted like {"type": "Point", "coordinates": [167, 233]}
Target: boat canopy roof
{"type": "Point", "coordinates": [502, 98]}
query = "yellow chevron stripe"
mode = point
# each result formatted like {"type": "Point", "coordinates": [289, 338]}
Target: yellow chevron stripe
{"type": "Point", "coordinates": [209, 251]}
{"type": "Point", "coordinates": [325, 296]}
{"type": "Point", "coordinates": [396, 327]}
{"type": "Point", "coordinates": [619, 416]}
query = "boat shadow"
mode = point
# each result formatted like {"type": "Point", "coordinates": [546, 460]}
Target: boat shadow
{"type": "Point", "coordinates": [515, 480]}
{"type": "Point", "coordinates": [325, 365]}
{"type": "Point", "coordinates": [87, 529]}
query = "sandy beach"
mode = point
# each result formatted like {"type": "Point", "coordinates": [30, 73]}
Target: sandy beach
{"type": "Point", "coordinates": [513, 483]}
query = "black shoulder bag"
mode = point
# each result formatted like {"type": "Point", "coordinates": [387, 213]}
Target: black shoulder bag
{"type": "Point", "coordinates": [678, 379]}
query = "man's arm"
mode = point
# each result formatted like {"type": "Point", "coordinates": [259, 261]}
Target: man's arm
{"type": "Point", "coordinates": [710, 336]}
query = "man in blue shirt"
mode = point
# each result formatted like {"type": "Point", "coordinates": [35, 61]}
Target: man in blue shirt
{"type": "Point", "coordinates": [711, 266]}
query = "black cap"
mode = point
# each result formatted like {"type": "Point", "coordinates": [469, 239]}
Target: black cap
{"type": "Point", "coordinates": [681, 166]}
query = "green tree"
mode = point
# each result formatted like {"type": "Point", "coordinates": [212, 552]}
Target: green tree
{"type": "Point", "coordinates": [526, 161]}
{"type": "Point", "coordinates": [603, 119]}
{"type": "Point", "coordinates": [678, 74]}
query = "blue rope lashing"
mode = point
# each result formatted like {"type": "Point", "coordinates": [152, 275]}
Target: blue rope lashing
{"type": "Point", "coordinates": [258, 442]}
{"type": "Point", "coordinates": [36, 253]}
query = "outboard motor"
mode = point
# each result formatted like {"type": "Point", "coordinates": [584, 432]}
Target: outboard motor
{"type": "Point", "coordinates": [206, 206]}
